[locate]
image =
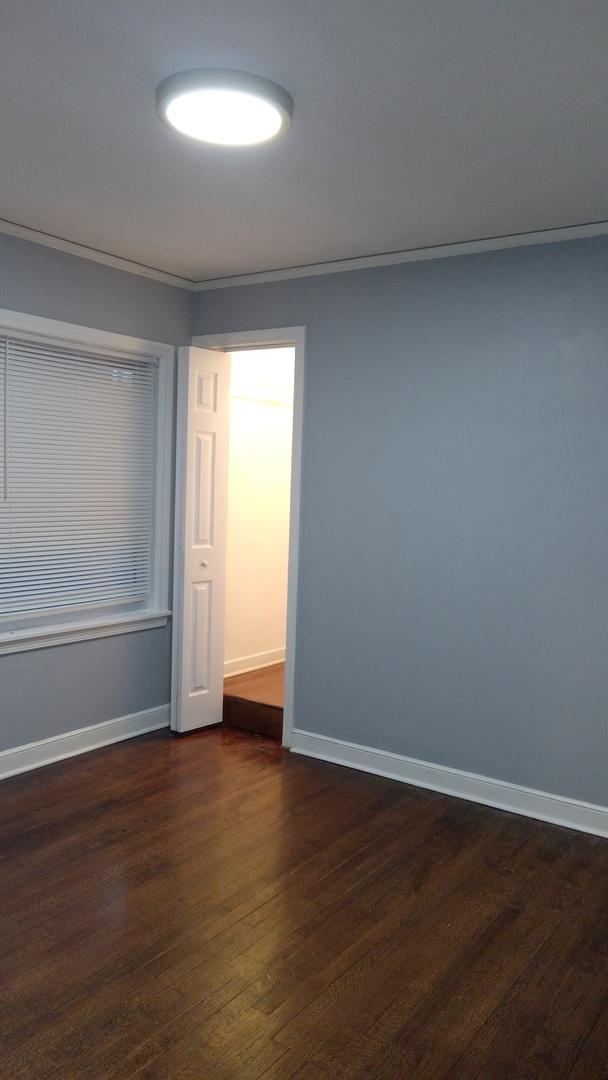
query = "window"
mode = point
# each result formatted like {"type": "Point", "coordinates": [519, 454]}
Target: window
{"type": "Point", "coordinates": [84, 458]}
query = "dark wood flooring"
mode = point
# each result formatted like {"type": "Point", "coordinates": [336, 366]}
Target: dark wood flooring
{"type": "Point", "coordinates": [266, 685]}
{"type": "Point", "coordinates": [212, 907]}
{"type": "Point", "coordinates": [254, 701]}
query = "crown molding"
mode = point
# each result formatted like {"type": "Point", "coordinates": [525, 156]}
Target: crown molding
{"type": "Point", "coordinates": [421, 254]}
{"type": "Point", "coordinates": [337, 266]}
{"type": "Point", "coordinates": [22, 232]}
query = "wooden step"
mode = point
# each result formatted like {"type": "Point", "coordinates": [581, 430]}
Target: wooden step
{"type": "Point", "coordinates": [253, 701]}
{"type": "Point", "coordinates": [253, 716]}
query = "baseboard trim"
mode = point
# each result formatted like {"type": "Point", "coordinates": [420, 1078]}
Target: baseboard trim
{"type": "Point", "coordinates": [33, 755]}
{"type": "Point", "coordinates": [243, 664]}
{"type": "Point", "coordinates": [556, 809]}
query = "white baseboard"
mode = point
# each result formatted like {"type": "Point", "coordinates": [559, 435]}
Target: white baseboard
{"type": "Point", "coordinates": [253, 662]}
{"type": "Point", "coordinates": [31, 756]}
{"type": "Point", "coordinates": [556, 809]}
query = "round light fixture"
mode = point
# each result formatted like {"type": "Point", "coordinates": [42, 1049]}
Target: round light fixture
{"type": "Point", "coordinates": [231, 108]}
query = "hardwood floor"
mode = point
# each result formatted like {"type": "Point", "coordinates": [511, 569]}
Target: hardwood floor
{"type": "Point", "coordinates": [212, 907]}
{"type": "Point", "coordinates": [254, 701]}
{"type": "Point", "coordinates": [266, 685]}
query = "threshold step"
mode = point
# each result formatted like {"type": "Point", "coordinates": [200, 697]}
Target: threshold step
{"type": "Point", "coordinates": [254, 716]}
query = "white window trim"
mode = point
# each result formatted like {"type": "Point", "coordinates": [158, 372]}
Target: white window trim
{"type": "Point", "coordinates": [158, 612]}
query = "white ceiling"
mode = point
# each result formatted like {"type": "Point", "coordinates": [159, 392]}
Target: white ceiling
{"type": "Point", "coordinates": [417, 122]}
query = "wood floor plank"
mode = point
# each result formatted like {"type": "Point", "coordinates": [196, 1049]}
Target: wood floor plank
{"type": "Point", "coordinates": [439, 1009]}
{"type": "Point", "coordinates": [214, 908]}
{"type": "Point", "coordinates": [242, 965]}
{"type": "Point", "coordinates": [171, 957]}
{"type": "Point", "coordinates": [266, 685]}
{"type": "Point", "coordinates": [237, 955]}
{"type": "Point", "coordinates": [591, 1058]}
{"type": "Point", "coordinates": [555, 1001]}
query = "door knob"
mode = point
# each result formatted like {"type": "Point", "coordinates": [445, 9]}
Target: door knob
{"type": "Point", "coordinates": [204, 563]}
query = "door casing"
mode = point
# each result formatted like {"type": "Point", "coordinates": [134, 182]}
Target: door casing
{"type": "Point", "coordinates": [257, 339]}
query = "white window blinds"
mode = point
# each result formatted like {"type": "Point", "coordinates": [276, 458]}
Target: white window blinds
{"type": "Point", "coordinates": [77, 479]}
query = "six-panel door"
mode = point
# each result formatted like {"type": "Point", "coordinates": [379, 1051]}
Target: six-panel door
{"type": "Point", "coordinates": [201, 509]}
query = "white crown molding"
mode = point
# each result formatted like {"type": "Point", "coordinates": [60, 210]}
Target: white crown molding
{"type": "Point", "coordinates": [45, 751]}
{"type": "Point", "coordinates": [557, 809]}
{"type": "Point", "coordinates": [338, 266]}
{"type": "Point", "coordinates": [11, 228]}
{"type": "Point", "coordinates": [422, 254]}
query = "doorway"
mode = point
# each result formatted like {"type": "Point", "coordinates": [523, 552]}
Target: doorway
{"type": "Point", "coordinates": [257, 544]}
{"type": "Point", "coordinates": [215, 622]}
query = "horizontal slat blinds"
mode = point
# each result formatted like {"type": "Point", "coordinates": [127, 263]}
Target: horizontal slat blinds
{"type": "Point", "coordinates": [77, 469]}
{"type": "Point", "coordinates": [3, 430]}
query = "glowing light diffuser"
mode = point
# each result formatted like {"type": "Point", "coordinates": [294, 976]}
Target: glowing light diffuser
{"type": "Point", "coordinates": [229, 108]}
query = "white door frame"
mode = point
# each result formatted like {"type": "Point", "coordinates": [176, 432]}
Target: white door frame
{"type": "Point", "coordinates": [257, 339]}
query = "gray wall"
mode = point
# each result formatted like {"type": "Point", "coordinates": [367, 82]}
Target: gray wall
{"type": "Point", "coordinates": [49, 691]}
{"type": "Point", "coordinates": [454, 554]}
{"type": "Point", "coordinates": [453, 592]}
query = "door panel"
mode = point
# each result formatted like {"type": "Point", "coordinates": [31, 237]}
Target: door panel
{"type": "Point", "coordinates": [200, 538]}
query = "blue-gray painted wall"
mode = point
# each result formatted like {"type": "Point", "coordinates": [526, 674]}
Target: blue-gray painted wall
{"type": "Point", "coordinates": [453, 583]}
{"type": "Point", "coordinates": [453, 600]}
{"type": "Point", "coordinates": [50, 691]}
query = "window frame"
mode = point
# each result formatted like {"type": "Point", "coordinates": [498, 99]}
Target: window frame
{"type": "Point", "coordinates": [93, 623]}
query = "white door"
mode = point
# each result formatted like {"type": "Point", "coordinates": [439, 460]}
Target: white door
{"type": "Point", "coordinates": [201, 500]}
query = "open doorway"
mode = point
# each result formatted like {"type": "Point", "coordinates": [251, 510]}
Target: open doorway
{"type": "Point", "coordinates": [257, 543]}
{"type": "Point", "coordinates": [204, 640]}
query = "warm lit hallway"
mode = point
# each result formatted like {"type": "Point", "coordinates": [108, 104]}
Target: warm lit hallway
{"type": "Point", "coordinates": [213, 907]}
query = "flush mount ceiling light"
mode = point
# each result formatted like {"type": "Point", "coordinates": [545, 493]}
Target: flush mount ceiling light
{"type": "Point", "coordinates": [231, 108]}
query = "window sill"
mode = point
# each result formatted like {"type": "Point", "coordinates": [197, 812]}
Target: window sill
{"type": "Point", "coordinates": [43, 637]}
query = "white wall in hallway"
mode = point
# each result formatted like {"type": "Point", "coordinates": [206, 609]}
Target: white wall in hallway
{"type": "Point", "coordinates": [261, 418]}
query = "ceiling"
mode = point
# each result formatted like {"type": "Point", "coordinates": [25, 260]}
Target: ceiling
{"type": "Point", "coordinates": [417, 122]}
